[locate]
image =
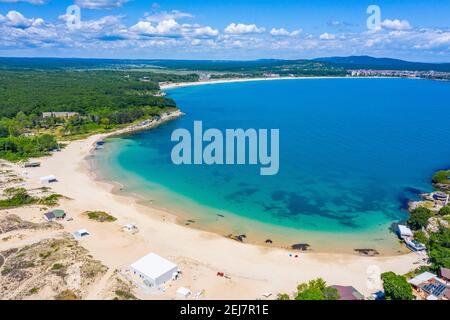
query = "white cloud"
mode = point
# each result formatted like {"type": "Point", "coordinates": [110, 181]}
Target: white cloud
{"type": "Point", "coordinates": [164, 15]}
{"type": "Point", "coordinates": [283, 32]}
{"type": "Point", "coordinates": [241, 28]}
{"type": "Point", "coordinates": [205, 32]}
{"type": "Point", "coordinates": [167, 27]}
{"type": "Point", "coordinates": [15, 19]}
{"type": "Point", "coordinates": [396, 24]}
{"type": "Point", "coordinates": [100, 4]}
{"type": "Point", "coordinates": [164, 30]}
{"type": "Point", "coordinates": [327, 36]}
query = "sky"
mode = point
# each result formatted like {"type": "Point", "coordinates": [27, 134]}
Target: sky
{"type": "Point", "coordinates": [415, 30]}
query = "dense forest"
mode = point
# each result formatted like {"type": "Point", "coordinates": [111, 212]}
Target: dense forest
{"type": "Point", "coordinates": [252, 68]}
{"type": "Point", "coordinates": [32, 91]}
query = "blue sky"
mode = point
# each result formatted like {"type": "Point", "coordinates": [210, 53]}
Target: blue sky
{"type": "Point", "coordinates": [415, 30]}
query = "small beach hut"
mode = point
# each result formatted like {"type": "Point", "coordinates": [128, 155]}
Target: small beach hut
{"type": "Point", "coordinates": [154, 270]}
{"type": "Point", "coordinates": [49, 216]}
{"type": "Point", "coordinates": [183, 292]}
{"type": "Point", "coordinates": [59, 214]}
{"type": "Point", "coordinates": [32, 165]}
{"type": "Point", "coordinates": [48, 179]}
{"type": "Point", "coordinates": [82, 233]}
{"type": "Point", "coordinates": [54, 215]}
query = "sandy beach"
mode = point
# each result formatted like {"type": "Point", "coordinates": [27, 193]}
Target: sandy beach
{"type": "Point", "coordinates": [172, 85]}
{"type": "Point", "coordinates": [253, 270]}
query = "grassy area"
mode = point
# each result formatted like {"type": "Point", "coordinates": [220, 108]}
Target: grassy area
{"type": "Point", "coordinates": [51, 200]}
{"type": "Point", "coordinates": [16, 197]}
{"type": "Point", "coordinates": [442, 177]}
{"type": "Point", "coordinates": [100, 216]}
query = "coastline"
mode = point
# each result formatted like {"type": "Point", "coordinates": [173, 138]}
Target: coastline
{"type": "Point", "coordinates": [253, 269]}
{"type": "Point", "coordinates": [173, 85]}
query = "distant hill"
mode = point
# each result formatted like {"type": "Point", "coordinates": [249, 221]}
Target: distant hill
{"type": "Point", "coordinates": [367, 62]}
{"type": "Point", "coordinates": [319, 66]}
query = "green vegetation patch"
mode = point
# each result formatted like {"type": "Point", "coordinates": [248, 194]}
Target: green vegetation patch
{"type": "Point", "coordinates": [313, 290]}
{"type": "Point", "coordinates": [100, 216]}
{"type": "Point", "coordinates": [442, 177]}
{"type": "Point", "coordinates": [419, 217]}
{"type": "Point", "coordinates": [16, 197]}
{"type": "Point", "coordinates": [57, 266]}
{"type": "Point", "coordinates": [396, 287]}
{"type": "Point", "coordinates": [19, 148]}
{"type": "Point", "coordinates": [51, 200]}
{"type": "Point", "coordinates": [67, 295]}
{"type": "Point", "coordinates": [439, 249]}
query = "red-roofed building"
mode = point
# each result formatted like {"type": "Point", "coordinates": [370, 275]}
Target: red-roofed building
{"type": "Point", "coordinates": [348, 293]}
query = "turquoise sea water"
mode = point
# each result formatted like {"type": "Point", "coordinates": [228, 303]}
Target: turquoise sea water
{"type": "Point", "coordinates": [352, 152]}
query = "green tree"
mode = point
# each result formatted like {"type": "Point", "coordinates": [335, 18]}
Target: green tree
{"type": "Point", "coordinates": [439, 249]}
{"type": "Point", "coordinates": [441, 176]}
{"type": "Point", "coordinates": [419, 218]}
{"type": "Point", "coordinates": [4, 131]}
{"type": "Point", "coordinates": [283, 296]}
{"type": "Point", "coordinates": [396, 287]}
{"type": "Point", "coordinates": [331, 293]}
{"type": "Point", "coordinates": [316, 290]}
{"type": "Point", "coordinates": [310, 294]}
{"type": "Point", "coordinates": [420, 236]}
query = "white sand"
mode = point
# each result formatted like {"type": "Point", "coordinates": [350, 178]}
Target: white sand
{"type": "Point", "coordinates": [253, 269]}
{"type": "Point", "coordinates": [164, 86]}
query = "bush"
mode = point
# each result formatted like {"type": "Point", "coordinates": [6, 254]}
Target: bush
{"type": "Point", "coordinates": [100, 216]}
{"type": "Point", "coordinates": [22, 148]}
{"type": "Point", "coordinates": [439, 249]}
{"type": "Point", "coordinates": [67, 295]}
{"type": "Point", "coordinates": [16, 197]}
{"type": "Point", "coordinates": [419, 218]}
{"type": "Point", "coordinates": [444, 211]}
{"type": "Point", "coordinates": [283, 296]}
{"type": "Point", "coordinates": [441, 177]}
{"type": "Point", "coordinates": [316, 290]}
{"type": "Point", "coordinates": [396, 287]}
{"type": "Point", "coordinates": [420, 236]}
{"type": "Point", "coordinates": [51, 200]}
{"type": "Point", "coordinates": [57, 266]}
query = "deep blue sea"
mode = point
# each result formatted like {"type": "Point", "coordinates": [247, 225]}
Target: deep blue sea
{"type": "Point", "coordinates": [352, 153]}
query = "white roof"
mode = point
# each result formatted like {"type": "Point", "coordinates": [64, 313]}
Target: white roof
{"type": "Point", "coordinates": [421, 278]}
{"type": "Point", "coordinates": [153, 266]}
{"type": "Point", "coordinates": [49, 177]}
{"type": "Point", "coordinates": [82, 231]}
{"type": "Point", "coordinates": [404, 230]}
{"type": "Point", "coordinates": [183, 291]}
